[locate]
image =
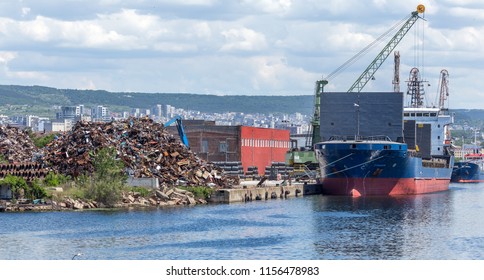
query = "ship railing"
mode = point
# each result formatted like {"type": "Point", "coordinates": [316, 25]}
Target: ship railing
{"type": "Point", "coordinates": [359, 138]}
{"type": "Point", "coordinates": [435, 163]}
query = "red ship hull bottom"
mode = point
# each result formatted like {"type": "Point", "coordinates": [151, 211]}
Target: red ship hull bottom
{"type": "Point", "coordinates": [382, 186]}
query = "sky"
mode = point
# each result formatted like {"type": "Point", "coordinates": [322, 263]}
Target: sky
{"type": "Point", "coordinates": [238, 47]}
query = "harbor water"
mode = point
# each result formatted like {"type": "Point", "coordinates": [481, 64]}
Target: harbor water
{"type": "Point", "coordinates": [439, 226]}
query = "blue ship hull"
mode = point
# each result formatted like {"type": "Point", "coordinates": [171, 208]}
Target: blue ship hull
{"type": "Point", "coordinates": [467, 172]}
{"type": "Point", "coordinates": [379, 168]}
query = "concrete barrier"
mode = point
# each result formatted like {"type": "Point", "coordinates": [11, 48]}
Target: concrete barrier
{"type": "Point", "coordinates": [263, 193]}
{"type": "Point", "coordinates": [151, 182]}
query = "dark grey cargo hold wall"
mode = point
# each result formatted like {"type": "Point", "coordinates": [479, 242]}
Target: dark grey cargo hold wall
{"type": "Point", "coordinates": [380, 113]}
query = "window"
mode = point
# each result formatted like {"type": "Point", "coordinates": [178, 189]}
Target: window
{"type": "Point", "coordinates": [223, 147]}
{"type": "Point", "coordinates": [204, 148]}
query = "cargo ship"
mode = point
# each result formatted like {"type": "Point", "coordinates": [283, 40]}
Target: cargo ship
{"type": "Point", "coordinates": [470, 169]}
{"type": "Point", "coordinates": [373, 144]}
{"type": "Point", "coordinates": [392, 150]}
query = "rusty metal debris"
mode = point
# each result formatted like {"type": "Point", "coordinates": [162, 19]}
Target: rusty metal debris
{"type": "Point", "coordinates": [16, 145]}
{"type": "Point", "coordinates": [145, 147]}
{"type": "Point", "coordinates": [27, 170]}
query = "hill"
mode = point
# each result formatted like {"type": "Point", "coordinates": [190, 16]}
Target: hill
{"type": "Point", "coordinates": [47, 97]}
{"type": "Point", "coordinates": [41, 99]}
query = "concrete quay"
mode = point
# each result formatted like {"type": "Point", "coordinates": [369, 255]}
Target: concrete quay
{"type": "Point", "coordinates": [250, 191]}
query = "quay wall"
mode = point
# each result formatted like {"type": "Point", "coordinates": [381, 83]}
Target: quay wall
{"type": "Point", "coordinates": [264, 193]}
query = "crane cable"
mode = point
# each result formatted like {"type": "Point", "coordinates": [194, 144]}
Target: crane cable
{"type": "Point", "coordinates": [365, 50]}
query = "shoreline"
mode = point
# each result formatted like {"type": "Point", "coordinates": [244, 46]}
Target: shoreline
{"type": "Point", "coordinates": [171, 197]}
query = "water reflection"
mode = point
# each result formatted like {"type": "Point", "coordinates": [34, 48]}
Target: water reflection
{"type": "Point", "coordinates": [381, 227]}
{"type": "Point", "coordinates": [445, 225]}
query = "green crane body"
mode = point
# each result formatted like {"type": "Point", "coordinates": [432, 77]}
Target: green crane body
{"type": "Point", "coordinates": [382, 56]}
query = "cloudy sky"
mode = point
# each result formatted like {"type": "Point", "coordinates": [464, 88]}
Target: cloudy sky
{"type": "Point", "coordinates": [237, 47]}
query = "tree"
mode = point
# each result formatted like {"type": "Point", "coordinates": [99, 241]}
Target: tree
{"type": "Point", "coordinates": [109, 178]}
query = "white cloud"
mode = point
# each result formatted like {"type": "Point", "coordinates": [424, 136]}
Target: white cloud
{"type": "Point", "coordinates": [25, 11]}
{"type": "Point", "coordinates": [190, 2]}
{"type": "Point", "coordinates": [270, 6]}
{"type": "Point", "coordinates": [5, 57]}
{"type": "Point", "coordinates": [230, 47]}
{"type": "Point", "coordinates": [243, 39]}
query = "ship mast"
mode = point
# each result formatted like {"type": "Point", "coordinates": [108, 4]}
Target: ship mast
{"type": "Point", "coordinates": [396, 72]}
{"type": "Point", "coordinates": [444, 88]}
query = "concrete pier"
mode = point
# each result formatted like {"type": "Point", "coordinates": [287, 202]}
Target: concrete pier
{"type": "Point", "coordinates": [250, 192]}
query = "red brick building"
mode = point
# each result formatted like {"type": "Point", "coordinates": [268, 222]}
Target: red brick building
{"type": "Point", "coordinates": [252, 146]}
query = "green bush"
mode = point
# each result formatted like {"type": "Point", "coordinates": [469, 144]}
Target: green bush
{"type": "Point", "coordinates": [17, 185]}
{"type": "Point", "coordinates": [53, 180]}
{"type": "Point", "coordinates": [20, 187]}
{"type": "Point", "coordinates": [199, 191]}
{"type": "Point", "coordinates": [144, 192]}
{"type": "Point", "coordinates": [40, 141]}
{"type": "Point", "coordinates": [36, 190]}
{"type": "Point", "coordinates": [108, 180]}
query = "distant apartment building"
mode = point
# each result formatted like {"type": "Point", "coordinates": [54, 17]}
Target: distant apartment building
{"type": "Point", "coordinates": [19, 120]}
{"type": "Point", "coordinates": [58, 125]}
{"type": "Point", "coordinates": [41, 124]}
{"type": "Point", "coordinates": [4, 119]}
{"type": "Point", "coordinates": [170, 112]}
{"type": "Point", "coordinates": [157, 112]}
{"type": "Point", "coordinates": [32, 122]}
{"type": "Point", "coordinates": [69, 112]}
{"type": "Point", "coordinates": [138, 113]}
{"type": "Point", "coordinates": [82, 110]}
{"type": "Point", "coordinates": [100, 113]}
{"type": "Point", "coordinates": [135, 112]}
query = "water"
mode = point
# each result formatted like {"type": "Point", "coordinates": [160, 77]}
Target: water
{"type": "Point", "coordinates": [446, 225]}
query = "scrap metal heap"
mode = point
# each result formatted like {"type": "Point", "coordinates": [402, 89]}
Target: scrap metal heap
{"type": "Point", "coordinates": [17, 151]}
{"type": "Point", "coordinates": [16, 145]}
{"type": "Point", "coordinates": [145, 147]}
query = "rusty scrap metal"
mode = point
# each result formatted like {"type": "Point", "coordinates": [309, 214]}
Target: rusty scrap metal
{"type": "Point", "coordinates": [146, 148]}
{"type": "Point", "coordinates": [16, 145]}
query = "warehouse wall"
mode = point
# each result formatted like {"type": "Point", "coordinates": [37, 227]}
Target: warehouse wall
{"type": "Point", "coordinates": [263, 146]}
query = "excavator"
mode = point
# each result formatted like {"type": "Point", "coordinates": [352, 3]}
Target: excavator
{"type": "Point", "coordinates": [304, 158]}
{"type": "Point", "coordinates": [181, 130]}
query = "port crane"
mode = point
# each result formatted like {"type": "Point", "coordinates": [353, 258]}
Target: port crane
{"type": "Point", "coordinates": [181, 130]}
{"type": "Point", "coordinates": [300, 158]}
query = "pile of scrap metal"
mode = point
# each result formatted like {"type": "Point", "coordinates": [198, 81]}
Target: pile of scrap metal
{"type": "Point", "coordinates": [17, 152]}
{"type": "Point", "coordinates": [16, 145]}
{"type": "Point", "coordinates": [145, 147]}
